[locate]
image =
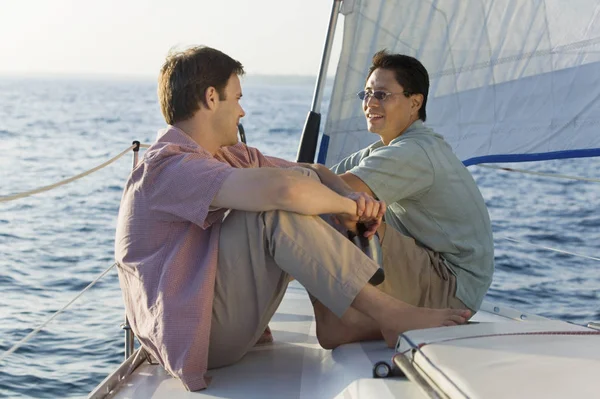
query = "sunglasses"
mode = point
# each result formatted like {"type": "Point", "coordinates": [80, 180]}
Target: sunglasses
{"type": "Point", "coordinates": [378, 94]}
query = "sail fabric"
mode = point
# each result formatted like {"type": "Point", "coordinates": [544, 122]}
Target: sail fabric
{"type": "Point", "coordinates": [510, 80]}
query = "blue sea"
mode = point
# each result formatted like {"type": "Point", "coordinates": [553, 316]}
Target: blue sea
{"type": "Point", "coordinates": [53, 244]}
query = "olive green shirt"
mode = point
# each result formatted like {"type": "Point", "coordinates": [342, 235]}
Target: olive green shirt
{"type": "Point", "coordinates": [433, 198]}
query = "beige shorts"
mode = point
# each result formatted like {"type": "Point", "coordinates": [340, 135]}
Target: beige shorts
{"type": "Point", "coordinates": [416, 275]}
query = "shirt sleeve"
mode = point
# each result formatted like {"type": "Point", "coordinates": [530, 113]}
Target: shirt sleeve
{"type": "Point", "coordinates": [258, 159]}
{"type": "Point", "coordinates": [184, 185]}
{"type": "Point", "coordinates": [396, 172]}
{"type": "Point", "coordinates": [243, 156]}
{"type": "Point", "coordinates": [349, 162]}
{"type": "Point", "coordinates": [277, 162]}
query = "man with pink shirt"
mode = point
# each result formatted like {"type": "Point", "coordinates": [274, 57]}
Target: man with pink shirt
{"type": "Point", "coordinates": [200, 284]}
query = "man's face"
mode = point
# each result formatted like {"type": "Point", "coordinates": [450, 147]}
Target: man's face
{"type": "Point", "coordinates": [392, 115]}
{"type": "Point", "coordinates": [229, 112]}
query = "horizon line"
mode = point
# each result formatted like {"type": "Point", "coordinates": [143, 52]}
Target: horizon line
{"type": "Point", "coordinates": [100, 75]}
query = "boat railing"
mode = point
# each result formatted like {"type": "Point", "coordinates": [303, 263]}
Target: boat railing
{"type": "Point", "coordinates": [129, 337]}
{"type": "Point", "coordinates": [136, 145]}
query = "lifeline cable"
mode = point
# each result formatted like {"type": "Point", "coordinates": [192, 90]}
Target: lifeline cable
{"type": "Point", "coordinates": [38, 329]}
{"type": "Point", "coordinates": [66, 181]}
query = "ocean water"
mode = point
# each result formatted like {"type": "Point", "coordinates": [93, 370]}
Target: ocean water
{"type": "Point", "coordinates": [53, 244]}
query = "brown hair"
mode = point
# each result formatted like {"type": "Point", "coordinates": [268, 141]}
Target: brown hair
{"type": "Point", "coordinates": [409, 72]}
{"type": "Point", "coordinates": [185, 76]}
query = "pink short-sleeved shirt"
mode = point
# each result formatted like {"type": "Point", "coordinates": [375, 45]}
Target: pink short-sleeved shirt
{"type": "Point", "coordinates": [166, 247]}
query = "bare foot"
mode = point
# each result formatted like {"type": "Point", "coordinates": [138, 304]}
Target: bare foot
{"type": "Point", "coordinates": [413, 318]}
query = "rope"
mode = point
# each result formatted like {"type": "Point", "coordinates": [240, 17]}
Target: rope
{"type": "Point", "coordinates": [551, 249]}
{"type": "Point", "coordinates": [31, 334]}
{"type": "Point", "coordinates": [66, 181]}
{"type": "Point", "coordinates": [63, 182]}
{"type": "Point", "coordinates": [528, 172]}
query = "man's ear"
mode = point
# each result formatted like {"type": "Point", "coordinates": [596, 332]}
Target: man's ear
{"type": "Point", "coordinates": [416, 102]}
{"type": "Point", "coordinates": [211, 97]}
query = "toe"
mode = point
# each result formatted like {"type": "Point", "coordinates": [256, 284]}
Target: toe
{"type": "Point", "coordinates": [457, 319]}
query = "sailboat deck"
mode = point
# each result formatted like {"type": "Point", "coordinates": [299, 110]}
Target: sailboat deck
{"type": "Point", "coordinates": [294, 366]}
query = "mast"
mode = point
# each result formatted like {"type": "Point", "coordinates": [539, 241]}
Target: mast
{"type": "Point", "coordinates": [310, 133]}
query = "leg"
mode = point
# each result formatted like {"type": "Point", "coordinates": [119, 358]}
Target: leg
{"type": "Point", "coordinates": [395, 317]}
{"type": "Point", "coordinates": [248, 289]}
{"type": "Point", "coordinates": [354, 326]}
{"type": "Point", "coordinates": [256, 250]}
{"type": "Point", "coordinates": [301, 245]}
{"type": "Point", "coordinates": [414, 275]}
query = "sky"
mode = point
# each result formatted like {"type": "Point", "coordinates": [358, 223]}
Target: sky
{"type": "Point", "coordinates": [132, 37]}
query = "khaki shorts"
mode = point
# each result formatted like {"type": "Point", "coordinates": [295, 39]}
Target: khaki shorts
{"type": "Point", "coordinates": [416, 275]}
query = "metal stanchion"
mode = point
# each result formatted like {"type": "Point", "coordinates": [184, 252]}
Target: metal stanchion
{"type": "Point", "coordinates": [129, 337]}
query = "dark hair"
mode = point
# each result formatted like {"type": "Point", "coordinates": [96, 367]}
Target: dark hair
{"type": "Point", "coordinates": [185, 76]}
{"type": "Point", "coordinates": [409, 71]}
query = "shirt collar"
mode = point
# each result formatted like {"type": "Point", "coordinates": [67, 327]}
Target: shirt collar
{"type": "Point", "coordinates": [172, 135]}
{"type": "Point", "coordinates": [416, 128]}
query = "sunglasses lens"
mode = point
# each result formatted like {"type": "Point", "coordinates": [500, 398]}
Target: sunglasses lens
{"type": "Point", "coordinates": [380, 95]}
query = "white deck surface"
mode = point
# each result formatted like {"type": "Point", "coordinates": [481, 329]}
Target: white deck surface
{"type": "Point", "coordinates": [294, 366]}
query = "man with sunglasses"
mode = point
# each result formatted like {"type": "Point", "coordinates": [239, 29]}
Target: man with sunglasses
{"type": "Point", "coordinates": [437, 240]}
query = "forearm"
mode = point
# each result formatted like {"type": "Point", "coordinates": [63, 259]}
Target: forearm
{"type": "Point", "coordinates": [265, 189]}
{"type": "Point", "coordinates": [309, 197]}
{"type": "Point", "coordinates": [330, 179]}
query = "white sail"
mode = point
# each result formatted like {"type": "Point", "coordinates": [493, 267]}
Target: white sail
{"type": "Point", "coordinates": [511, 80]}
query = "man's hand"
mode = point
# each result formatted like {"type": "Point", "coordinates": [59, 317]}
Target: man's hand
{"type": "Point", "coordinates": [368, 211]}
